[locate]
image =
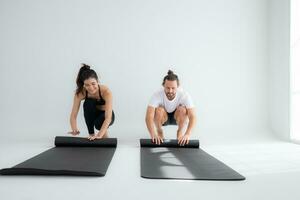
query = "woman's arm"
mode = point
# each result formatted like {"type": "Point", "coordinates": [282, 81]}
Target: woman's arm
{"type": "Point", "coordinates": [73, 116]}
{"type": "Point", "coordinates": [107, 96]}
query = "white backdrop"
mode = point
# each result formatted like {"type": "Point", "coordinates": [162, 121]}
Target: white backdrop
{"type": "Point", "coordinates": [279, 71]}
{"type": "Point", "coordinates": [218, 48]}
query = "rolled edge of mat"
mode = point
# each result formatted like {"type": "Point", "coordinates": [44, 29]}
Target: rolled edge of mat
{"type": "Point", "coordinates": [169, 143]}
{"type": "Point", "coordinates": [242, 178]}
{"type": "Point", "coordinates": [63, 141]}
{"type": "Point", "coordinates": [32, 171]}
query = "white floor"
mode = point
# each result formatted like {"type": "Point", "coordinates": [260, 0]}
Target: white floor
{"type": "Point", "coordinates": [271, 168]}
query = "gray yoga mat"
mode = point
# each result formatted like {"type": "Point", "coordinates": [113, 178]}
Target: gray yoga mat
{"type": "Point", "coordinates": [72, 156]}
{"type": "Point", "coordinates": [171, 161]}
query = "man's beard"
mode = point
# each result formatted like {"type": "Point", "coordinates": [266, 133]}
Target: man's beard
{"type": "Point", "coordinates": [170, 95]}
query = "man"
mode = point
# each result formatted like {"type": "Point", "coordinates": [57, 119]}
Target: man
{"type": "Point", "coordinates": [170, 106]}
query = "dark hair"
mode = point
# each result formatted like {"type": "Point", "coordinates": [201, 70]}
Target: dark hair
{"type": "Point", "coordinates": [85, 72]}
{"type": "Point", "coordinates": [171, 77]}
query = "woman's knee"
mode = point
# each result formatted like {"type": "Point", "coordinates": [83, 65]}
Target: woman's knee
{"type": "Point", "coordinates": [99, 121]}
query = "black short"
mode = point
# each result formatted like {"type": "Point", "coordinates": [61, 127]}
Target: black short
{"type": "Point", "coordinates": [171, 120]}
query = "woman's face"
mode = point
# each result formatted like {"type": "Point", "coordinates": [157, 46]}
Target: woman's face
{"type": "Point", "coordinates": [91, 85]}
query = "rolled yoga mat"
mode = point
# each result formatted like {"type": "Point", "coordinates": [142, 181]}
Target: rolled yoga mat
{"type": "Point", "coordinates": [72, 156]}
{"type": "Point", "coordinates": [171, 161]}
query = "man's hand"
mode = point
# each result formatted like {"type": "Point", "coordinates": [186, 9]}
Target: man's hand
{"type": "Point", "coordinates": [157, 139]}
{"type": "Point", "coordinates": [183, 139]}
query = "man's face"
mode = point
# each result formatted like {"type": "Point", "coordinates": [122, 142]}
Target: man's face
{"type": "Point", "coordinates": [170, 88]}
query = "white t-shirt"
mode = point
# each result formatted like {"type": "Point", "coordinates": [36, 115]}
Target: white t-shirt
{"type": "Point", "coordinates": [182, 98]}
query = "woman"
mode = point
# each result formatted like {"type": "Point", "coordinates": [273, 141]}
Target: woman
{"type": "Point", "coordinates": [97, 104]}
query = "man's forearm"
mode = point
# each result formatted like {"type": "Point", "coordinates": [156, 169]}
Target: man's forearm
{"type": "Point", "coordinates": [150, 126]}
{"type": "Point", "coordinates": [192, 122]}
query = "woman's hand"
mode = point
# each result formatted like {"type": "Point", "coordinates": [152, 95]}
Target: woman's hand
{"type": "Point", "coordinates": [74, 132]}
{"type": "Point", "coordinates": [94, 137]}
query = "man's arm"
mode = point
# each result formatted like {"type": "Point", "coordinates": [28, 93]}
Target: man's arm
{"type": "Point", "coordinates": [150, 125]}
{"type": "Point", "coordinates": [150, 121]}
{"type": "Point", "coordinates": [192, 120]}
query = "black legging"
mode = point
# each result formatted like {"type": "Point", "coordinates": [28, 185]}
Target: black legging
{"type": "Point", "coordinates": [93, 116]}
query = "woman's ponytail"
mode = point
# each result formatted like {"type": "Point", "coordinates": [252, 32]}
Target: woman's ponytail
{"type": "Point", "coordinates": [84, 73]}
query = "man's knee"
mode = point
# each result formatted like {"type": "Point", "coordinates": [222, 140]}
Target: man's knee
{"type": "Point", "coordinates": [181, 113]}
{"type": "Point", "coordinates": [181, 110]}
{"type": "Point", "coordinates": [159, 113]}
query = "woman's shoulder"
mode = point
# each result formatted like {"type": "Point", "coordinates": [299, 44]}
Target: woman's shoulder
{"type": "Point", "coordinates": [81, 95]}
{"type": "Point", "coordinates": [104, 90]}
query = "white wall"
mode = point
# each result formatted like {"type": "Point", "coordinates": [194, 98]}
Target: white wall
{"type": "Point", "coordinates": [218, 48]}
{"type": "Point", "coordinates": [279, 69]}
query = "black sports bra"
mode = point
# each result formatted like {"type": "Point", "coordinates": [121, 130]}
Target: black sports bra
{"type": "Point", "coordinates": [100, 101]}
